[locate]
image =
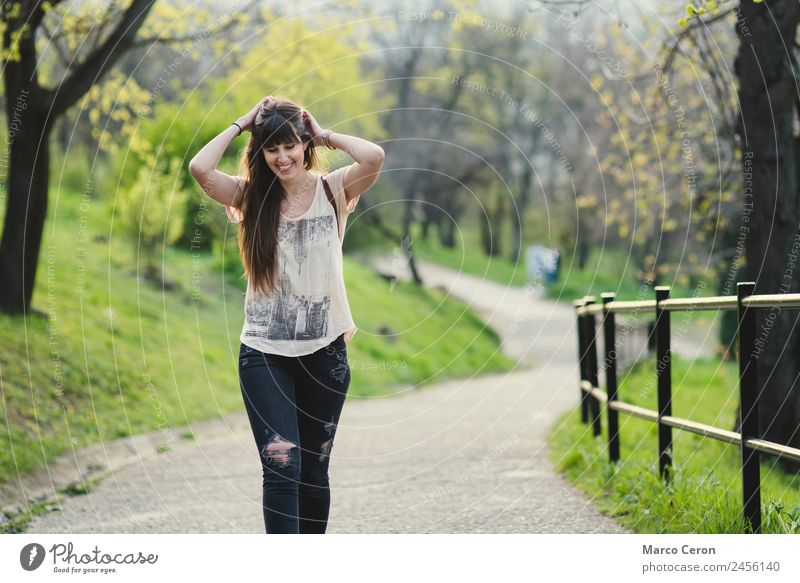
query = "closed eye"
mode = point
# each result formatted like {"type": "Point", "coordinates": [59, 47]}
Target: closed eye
{"type": "Point", "coordinates": [288, 146]}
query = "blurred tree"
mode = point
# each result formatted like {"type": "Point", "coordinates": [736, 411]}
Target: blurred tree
{"type": "Point", "coordinates": [770, 145]}
{"type": "Point", "coordinates": [717, 163]}
{"type": "Point", "coordinates": [460, 139]}
{"type": "Point", "coordinates": [519, 101]}
{"type": "Point", "coordinates": [676, 178]}
{"type": "Point", "coordinates": [82, 43]}
{"type": "Point", "coordinates": [407, 40]}
{"type": "Point", "coordinates": [760, 120]}
{"type": "Point", "coordinates": [151, 212]}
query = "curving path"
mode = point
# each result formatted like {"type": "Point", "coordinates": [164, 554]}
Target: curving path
{"type": "Point", "coordinates": [466, 456]}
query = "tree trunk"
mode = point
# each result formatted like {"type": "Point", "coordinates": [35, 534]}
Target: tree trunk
{"type": "Point", "coordinates": [486, 236]}
{"type": "Point", "coordinates": [518, 214]}
{"type": "Point", "coordinates": [28, 171]}
{"type": "Point", "coordinates": [767, 94]}
{"type": "Point", "coordinates": [491, 224]}
{"type": "Point", "coordinates": [408, 214]}
{"type": "Point", "coordinates": [425, 230]}
{"type": "Point", "coordinates": [31, 112]}
{"type": "Point", "coordinates": [405, 244]}
{"type": "Point", "coordinates": [731, 240]}
{"type": "Point", "coordinates": [447, 236]}
{"type": "Point", "coordinates": [581, 235]}
{"type": "Point", "coordinates": [583, 251]}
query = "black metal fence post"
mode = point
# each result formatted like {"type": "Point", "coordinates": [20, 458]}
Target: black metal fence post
{"type": "Point", "coordinates": [582, 362]}
{"type": "Point", "coordinates": [591, 366]}
{"type": "Point", "coordinates": [749, 434]}
{"type": "Point", "coordinates": [748, 405]}
{"type": "Point", "coordinates": [664, 375]}
{"type": "Point", "coordinates": [610, 366]}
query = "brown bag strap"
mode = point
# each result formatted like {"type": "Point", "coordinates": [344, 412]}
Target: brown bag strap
{"type": "Point", "coordinates": [330, 200]}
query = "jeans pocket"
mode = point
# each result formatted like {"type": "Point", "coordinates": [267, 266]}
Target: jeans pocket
{"type": "Point", "coordinates": [337, 347]}
{"type": "Point", "coordinates": [340, 343]}
{"type": "Point", "coordinates": [248, 356]}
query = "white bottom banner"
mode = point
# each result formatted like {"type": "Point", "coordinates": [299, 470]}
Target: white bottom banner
{"type": "Point", "coordinates": [354, 558]}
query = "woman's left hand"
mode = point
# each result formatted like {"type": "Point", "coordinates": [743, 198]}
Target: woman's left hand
{"type": "Point", "coordinates": [313, 127]}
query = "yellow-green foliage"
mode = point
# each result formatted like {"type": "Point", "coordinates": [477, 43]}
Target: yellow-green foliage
{"type": "Point", "coordinates": [319, 69]}
{"type": "Point", "coordinates": [150, 211]}
{"type": "Point", "coordinates": [662, 159]}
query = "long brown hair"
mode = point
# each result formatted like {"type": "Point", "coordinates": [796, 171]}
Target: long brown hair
{"type": "Point", "coordinates": [279, 121]}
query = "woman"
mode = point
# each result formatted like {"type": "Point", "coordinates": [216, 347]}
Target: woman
{"type": "Point", "coordinates": [293, 367]}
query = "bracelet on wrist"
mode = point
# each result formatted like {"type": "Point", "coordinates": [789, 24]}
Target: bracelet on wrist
{"type": "Point", "coordinates": [326, 139]}
{"type": "Point", "coordinates": [238, 126]}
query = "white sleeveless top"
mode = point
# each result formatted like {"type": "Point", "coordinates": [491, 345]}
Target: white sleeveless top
{"type": "Point", "coordinates": [308, 309]}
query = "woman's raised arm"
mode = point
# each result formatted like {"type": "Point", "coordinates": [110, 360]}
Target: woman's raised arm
{"type": "Point", "coordinates": [367, 155]}
{"type": "Point", "coordinates": [222, 187]}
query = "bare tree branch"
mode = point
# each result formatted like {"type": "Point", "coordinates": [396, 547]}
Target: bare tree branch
{"type": "Point", "coordinates": [672, 49]}
{"type": "Point", "coordinates": [62, 55]}
{"type": "Point", "coordinates": [101, 60]}
{"type": "Point", "coordinates": [147, 41]}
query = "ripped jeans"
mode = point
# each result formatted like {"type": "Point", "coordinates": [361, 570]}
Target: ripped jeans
{"type": "Point", "coordinates": [294, 404]}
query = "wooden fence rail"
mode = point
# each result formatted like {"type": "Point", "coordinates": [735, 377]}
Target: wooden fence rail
{"type": "Point", "coordinates": [591, 396]}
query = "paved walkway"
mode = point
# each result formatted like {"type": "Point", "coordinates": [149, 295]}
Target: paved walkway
{"type": "Point", "coordinates": [466, 456]}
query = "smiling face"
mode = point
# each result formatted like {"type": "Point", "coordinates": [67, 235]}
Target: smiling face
{"type": "Point", "coordinates": [284, 141]}
{"type": "Point", "coordinates": [285, 159]}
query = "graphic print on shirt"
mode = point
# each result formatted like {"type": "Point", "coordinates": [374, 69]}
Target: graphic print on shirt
{"type": "Point", "coordinates": [299, 235]}
{"type": "Point", "coordinates": [284, 315]}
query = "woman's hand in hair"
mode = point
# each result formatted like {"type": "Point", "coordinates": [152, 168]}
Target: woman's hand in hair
{"type": "Point", "coordinates": [247, 120]}
{"type": "Point", "coordinates": [313, 127]}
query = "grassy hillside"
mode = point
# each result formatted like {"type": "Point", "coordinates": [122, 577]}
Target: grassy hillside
{"type": "Point", "coordinates": [706, 493]}
{"type": "Point", "coordinates": [107, 354]}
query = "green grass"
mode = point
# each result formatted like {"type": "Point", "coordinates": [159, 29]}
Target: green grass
{"type": "Point", "coordinates": [18, 523]}
{"type": "Point", "coordinates": [705, 494]}
{"type": "Point", "coordinates": [110, 355]}
{"type": "Point", "coordinates": [468, 256]}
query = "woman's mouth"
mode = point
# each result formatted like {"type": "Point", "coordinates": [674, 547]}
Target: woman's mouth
{"type": "Point", "coordinates": [286, 167]}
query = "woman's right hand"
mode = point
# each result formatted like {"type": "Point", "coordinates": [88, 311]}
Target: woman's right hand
{"type": "Point", "coordinates": [247, 120]}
